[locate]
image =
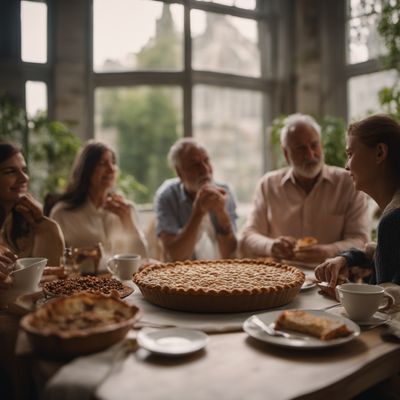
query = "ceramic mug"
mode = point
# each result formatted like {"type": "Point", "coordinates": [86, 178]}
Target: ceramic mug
{"type": "Point", "coordinates": [123, 266]}
{"type": "Point", "coordinates": [27, 273]}
{"type": "Point", "coordinates": [361, 301]}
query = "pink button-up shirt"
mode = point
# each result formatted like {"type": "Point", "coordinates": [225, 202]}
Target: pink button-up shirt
{"type": "Point", "coordinates": [333, 212]}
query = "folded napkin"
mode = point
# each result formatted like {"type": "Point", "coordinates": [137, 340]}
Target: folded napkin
{"type": "Point", "coordinates": [80, 378]}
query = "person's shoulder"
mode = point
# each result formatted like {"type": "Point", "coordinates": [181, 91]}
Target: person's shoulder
{"type": "Point", "coordinates": [392, 216]}
{"type": "Point", "coordinates": [168, 187]}
{"type": "Point", "coordinates": [336, 172]}
{"type": "Point", "coordinates": [274, 177]}
{"type": "Point", "coordinates": [58, 209]}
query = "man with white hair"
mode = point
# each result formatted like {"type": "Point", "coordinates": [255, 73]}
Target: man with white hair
{"type": "Point", "coordinates": [196, 217]}
{"type": "Point", "coordinates": [308, 198]}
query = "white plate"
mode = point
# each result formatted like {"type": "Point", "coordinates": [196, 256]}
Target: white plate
{"type": "Point", "coordinates": [377, 319]}
{"type": "Point", "coordinates": [301, 264]}
{"type": "Point", "coordinates": [172, 341]}
{"type": "Point", "coordinates": [308, 342]}
{"type": "Point", "coordinates": [308, 284]}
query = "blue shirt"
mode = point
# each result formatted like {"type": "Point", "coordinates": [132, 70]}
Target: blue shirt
{"type": "Point", "coordinates": [174, 207]}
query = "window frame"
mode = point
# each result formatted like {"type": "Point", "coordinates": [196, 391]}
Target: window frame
{"type": "Point", "coordinates": [186, 79]}
{"type": "Point", "coordinates": [356, 69]}
{"type": "Point", "coordinates": [41, 72]}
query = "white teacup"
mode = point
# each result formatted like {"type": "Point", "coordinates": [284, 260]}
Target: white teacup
{"type": "Point", "coordinates": [361, 301]}
{"type": "Point", "coordinates": [123, 266]}
{"type": "Point", "coordinates": [27, 273]}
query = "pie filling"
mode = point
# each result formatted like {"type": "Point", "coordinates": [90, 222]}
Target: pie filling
{"type": "Point", "coordinates": [82, 312]}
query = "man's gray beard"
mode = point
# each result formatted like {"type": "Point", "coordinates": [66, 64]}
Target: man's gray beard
{"type": "Point", "coordinates": [309, 173]}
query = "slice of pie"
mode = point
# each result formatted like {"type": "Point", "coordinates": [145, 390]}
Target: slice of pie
{"type": "Point", "coordinates": [220, 285]}
{"type": "Point", "coordinates": [321, 327]}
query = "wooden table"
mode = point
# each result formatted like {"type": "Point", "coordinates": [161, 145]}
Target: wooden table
{"type": "Point", "coordinates": [236, 366]}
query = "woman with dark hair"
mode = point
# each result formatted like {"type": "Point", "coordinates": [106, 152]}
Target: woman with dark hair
{"type": "Point", "coordinates": [25, 231]}
{"type": "Point", "coordinates": [373, 159]}
{"type": "Point", "coordinates": [90, 212]}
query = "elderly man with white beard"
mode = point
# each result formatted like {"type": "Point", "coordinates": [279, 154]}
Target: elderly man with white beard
{"type": "Point", "coordinates": [196, 217]}
{"type": "Point", "coordinates": [308, 198]}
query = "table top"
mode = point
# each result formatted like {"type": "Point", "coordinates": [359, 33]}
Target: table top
{"type": "Point", "coordinates": [236, 366]}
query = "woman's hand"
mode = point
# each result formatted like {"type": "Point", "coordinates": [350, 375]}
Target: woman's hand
{"type": "Point", "coordinates": [332, 270]}
{"type": "Point", "coordinates": [30, 209]}
{"type": "Point", "coordinates": [116, 204]}
{"type": "Point", "coordinates": [7, 259]}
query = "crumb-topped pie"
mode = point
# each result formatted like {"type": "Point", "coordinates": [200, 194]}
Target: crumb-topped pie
{"type": "Point", "coordinates": [79, 324]}
{"type": "Point", "coordinates": [220, 285]}
{"type": "Point", "coordinates": [90, 284]}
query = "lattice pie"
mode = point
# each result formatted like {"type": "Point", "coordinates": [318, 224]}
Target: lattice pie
{"type": "Point", "coordinates": [220, 285]}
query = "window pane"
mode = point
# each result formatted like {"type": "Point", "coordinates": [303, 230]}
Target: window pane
{"type": "Point", "coordinates": [141, 35]}
{"type": "Point", "coordinates": [364, 42]}
{"type": "Point", "coordinates": [225, 44]}
{"type": "Point", "coordinates": [363, 93]}
{"type": "Point", "coordinates": [229, 123]}
{"type": "Point", "coordinates": [357, 8]}
{"type": "Point", "coordinates": [35, 97]}
{"type": "Point", "coordinates": [33, 32]}
{"type": "Point", "coordinates": [248, 4]}
{"type": "Point", "coordinates": [141, 124]}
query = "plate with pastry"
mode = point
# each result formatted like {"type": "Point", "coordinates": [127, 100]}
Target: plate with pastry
{"type": "Point", "coordinates": [310, 329]}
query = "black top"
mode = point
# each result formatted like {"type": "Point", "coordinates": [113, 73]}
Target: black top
{"type": "Point", "coordinates": [386, 263]}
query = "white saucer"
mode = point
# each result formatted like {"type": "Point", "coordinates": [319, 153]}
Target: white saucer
{"type": "Point", "coordinates": [308, 284]}
{"type": "Point", "coordinates": [377, 319]}
{"type": "Point", "coordinates": [172, 341]}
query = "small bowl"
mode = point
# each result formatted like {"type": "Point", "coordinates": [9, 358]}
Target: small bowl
{"type": "Point", "coordinates": [63, 343]}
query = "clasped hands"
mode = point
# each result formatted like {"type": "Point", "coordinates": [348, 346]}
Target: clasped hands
{"type": "Point", "coordinates": [210, 198]}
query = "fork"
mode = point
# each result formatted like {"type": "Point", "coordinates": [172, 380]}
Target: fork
{"type": "Point", "coordinates": [270, 330]}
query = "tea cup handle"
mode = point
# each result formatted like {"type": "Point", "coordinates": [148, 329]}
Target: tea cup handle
{"type": "Point", "coordinates": [390, 302]}
{"type": "Point", "coordinates": [111, 266]}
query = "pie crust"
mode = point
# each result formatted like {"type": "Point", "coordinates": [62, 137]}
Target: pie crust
{"type": "Point", "coordinates": [89, 284]}
{"type": "Point", "coordinates": [235, 285]}
{"type": "Point", "coordinates": [79, 324]}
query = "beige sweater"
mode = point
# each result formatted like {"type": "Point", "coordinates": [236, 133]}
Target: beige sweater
{"type": "Point", "coordinates": [44, 239]}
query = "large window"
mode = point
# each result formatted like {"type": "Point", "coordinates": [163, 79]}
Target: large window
{"type": "Point", "coordinates": [364, 48]}
{"type": "Point", "coordinates": [167, 69]}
